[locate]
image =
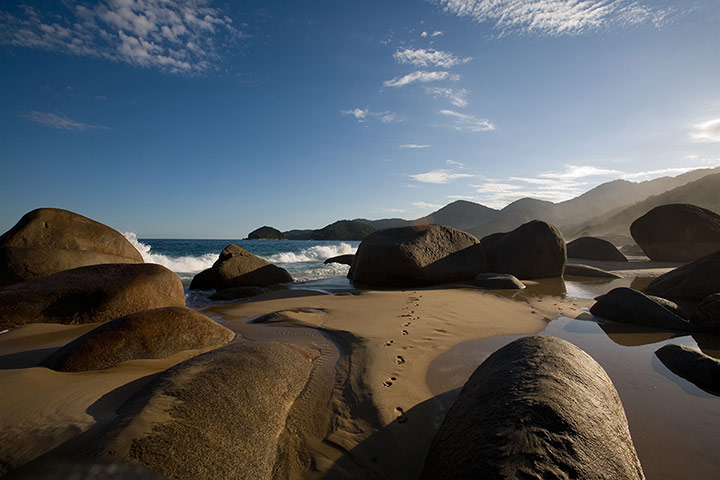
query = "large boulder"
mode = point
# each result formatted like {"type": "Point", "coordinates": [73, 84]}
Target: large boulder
{"type": "Point", "coordinates": [418, 255]}
{"type": "Point", "coordinates": [626, 305]}
{"type": "Point", "coordinates": [237, 267]}
{"type": "Point", "coordinates": [537, 408]}
{"type": "Point", "coordinates": [533, 250]}
{"type": "Point", "coordinates": [693, 366]}
{"type": "Point", "coordinates": [692, 281]}
{"type": "Point", "coordinates": [677, 232]}
{"type": "Point", "coordinates": [593, 248]}
{"type": "Point", "coordinates": [222, 414]}
{"type": "Point", "coordinates": [96, 293]}
{"type": "Point", "coordinates": [156, 333]}
{"type": "Point", "coordinates": [50, 240]}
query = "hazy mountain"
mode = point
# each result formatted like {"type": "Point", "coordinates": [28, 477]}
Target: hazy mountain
{"type": "Point", "coordinates": [460, 214]}
{"type": "Point", "coordinates": [703, 193]}
{"type": "Point", "coordinates": [343, 230]}
{"type": "Point", "coordinates": [384, 223]}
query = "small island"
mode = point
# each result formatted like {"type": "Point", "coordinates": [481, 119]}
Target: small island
{"type": "Point", "coordinates": [266, 233]}
{"type": "Point", "coordinates": [343, 230]}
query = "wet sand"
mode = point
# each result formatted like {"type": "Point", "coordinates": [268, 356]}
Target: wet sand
{"type": "Point", "coordinates": [393, 363]}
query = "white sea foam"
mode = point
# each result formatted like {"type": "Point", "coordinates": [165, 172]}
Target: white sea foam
{"type": "Point", "coordinates": [176, 264]}
{"type": "Point", "coordinates": [317, 253]}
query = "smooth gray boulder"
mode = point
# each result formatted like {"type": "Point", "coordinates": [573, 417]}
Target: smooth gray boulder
{"type": "Point", "coordinates": [626, 305]}
{"type": "Point", "coordinates": [156, 333]}
{"type": "Point", "coordinates": [677, 232]}
{"type": "Point", "coordinates": [537, 408]}
{"type": "Point", "coordinates": [50, 240]}
{"type": "Point", "coordinates": [577, 270]}
{"type": "Point", "coordinates": [236, 267]}
{"type": "Point", "coordinates": [533, 250]}
{"type": "Point", "coordinates": [593, 248]}
{"type": "Point", "coordinates": [692, 281]}
{"type": "Point", "coordinates": [218, 415]}
{"type": "Point", "coordinates": [695, 367]}
{"type": "Point", "coordinates": [96, 293]}
{"type": "Point", "coordinates": [416, 256]}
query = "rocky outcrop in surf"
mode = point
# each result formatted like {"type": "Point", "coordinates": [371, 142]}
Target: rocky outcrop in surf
{"type": "Point", "coordinates": [237, 267]}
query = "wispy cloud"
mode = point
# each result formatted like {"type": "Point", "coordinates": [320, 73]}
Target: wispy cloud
{"type": "Point", "coordinates": [413, 146]}
{"type": "Point", "coordinates": [180, 37]}
{"type": "Point", "coordinates": [439, 176]}
{"type": "Point", "coordinates": [573, 172]}
{"type": "Point", "coordinates": [457, 96]}
{"type": "Point", "coordinates": [393, 210]}
{"type": "Point", "coordinates": [54, 120]}
{"type": "Point", "coordinates": [428, 58]}
{"type": "Point", "coordinates": [420, 76]}
{"type": "Point", "coordinates": [436, 33]}
{"type": "Point", "coordinates": [463, 121]}
{"type": "Point", "coordinates": [457, 164]}
{"type": "Point", "coordinates": [553, 17]}
{"type": "Point", "coordinates": [708, 132]}
{"type": "Point", "coordinates": [426, 205]}
{"type": "Point", "coordinates": [364, 114]}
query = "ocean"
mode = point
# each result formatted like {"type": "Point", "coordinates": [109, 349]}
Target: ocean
{"type": "Point", "coordinates": [303, 259]}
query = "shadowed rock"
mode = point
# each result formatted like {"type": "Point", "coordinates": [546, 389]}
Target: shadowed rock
{"type": "Point", "coordinates": [496, 281]}
{"type": "Point", "coordinates": [708, 313]}
{"type": "Point", "coordinates": [677, 232]}
{"type": "Point", "coordinates": [238, 292]}
{"type": "Point", "coordinates": [156, 333]}
{"type": "Point", "coordinates": [537, 408]}
{"type": "Point", "coordinates": [96, 293]}
{"type": "Point", "coordinates": [594, 248]}
{"type": "Point", "coordinates": [226, 410]}
{"type": "Point", "coordinates": [576, 270]}
{"type": "Point", "coordinates": [533, 250]}
{"type": "Point", "coordinates": [343, 259]}
{"type": "Point", "coordinates": [693, 366]}
{"type": "Point", "coordinates": [630, 306]}
{"type": "Point", "coordinates": [692, 281]}
{"type": "Point", "coordinates": [237, 267]}
{"type": "Point", "coordinates": [420, 255]}
{"type": "Point", "coordinates": [50, 240]}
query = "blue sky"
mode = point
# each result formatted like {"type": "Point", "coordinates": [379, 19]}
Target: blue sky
{"type": "Point", "coordinates": [210, 119]}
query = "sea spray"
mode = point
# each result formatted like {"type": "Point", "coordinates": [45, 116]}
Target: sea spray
{"type": "Point", "coordinates": [181, 264]}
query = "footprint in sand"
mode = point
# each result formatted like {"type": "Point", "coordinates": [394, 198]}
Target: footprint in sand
{"type": "Point", "coordinates": [405, 332]}
{"type": "Point", "coordinates": [406, 324]}
{"type": "Point", "coordinates": [389, 342]}
{"type": "Point", "coordinates": [399, 360]}
{"type": "Point", "coordinates": [387, 383]}
{"type": "Point", "coordinates": [401, 417]}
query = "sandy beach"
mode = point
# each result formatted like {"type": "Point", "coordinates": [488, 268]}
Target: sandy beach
{"type": "Point", "coordinates": [389, 364]}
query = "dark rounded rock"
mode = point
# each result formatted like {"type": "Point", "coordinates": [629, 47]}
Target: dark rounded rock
{"type": "Point", "coordinates": [533, 250]}
{"type": "Point", "coordinates": [419, 255]}
{"type": "Point", "coordinates": [156, 333]}
{"type": "Point", "coordinates": [708, 313]}
{"type": "Point", "coordinates": [266, 233]}
{"type": "Point", "coordinates": [693, 281]}
{"type": "Point", "coordinates": [593, 248]}
{"type": "Point", "coordinates": [577, 270]}
{"type": "Point", "coordinates": [677, 232]}
{"type": "Point", "coordinates": [630, 306]}
{"type": "Point", "coordinates": [50, 240]}
{"type": "Point", "coordinates": [96, 293]}
{"type": "Point", "coordinates": [696, 367]}
{"type": "Point", "coordinates": [537, 408]}
{"type": "Point", "coordinates": [496, 281]}
{"type": "Point", "coordinates": [343, 259]}
{"type": "Point", "coordinates": [234, 293]}
{"type": "Point", "coordinates": [237, 267]}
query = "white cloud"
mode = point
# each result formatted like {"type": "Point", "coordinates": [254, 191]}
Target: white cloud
{"type": "Point", "coordinates": [456, 96]}
{"type": "Point", "coordinates": [439, 176]}
{"type": "Point", "coordinates": [463, 121]}
{"type": "Point", "coordinates": [428, 58]}
{"type": "Point", "coordinates": [424, 34]}
{"type": "Point", "coordinates": [457, 164]}
{"type": "Point", "coordinates": [437, 33]}
{"type": "Point", "coordinates": [573, 172]}
{"type": "Point", "coordinates": [174, 37]}
{"type": "Point", "coordinates": [364, 114]}
{"type": "Point", "coordinates": [413, 146]}
{"type": "Point", "coordinates": [708, 132]}
{"type": "Point", "coordinates": [420, 76]}
{"type": "Point", "coordinates": [53, 120]}
{"type": "Point", "coordinates": [553, 17]}
{"type": "Point", "coordinates": [393, 210]}
{"type": "Point", "coordinates": [427, 206]}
